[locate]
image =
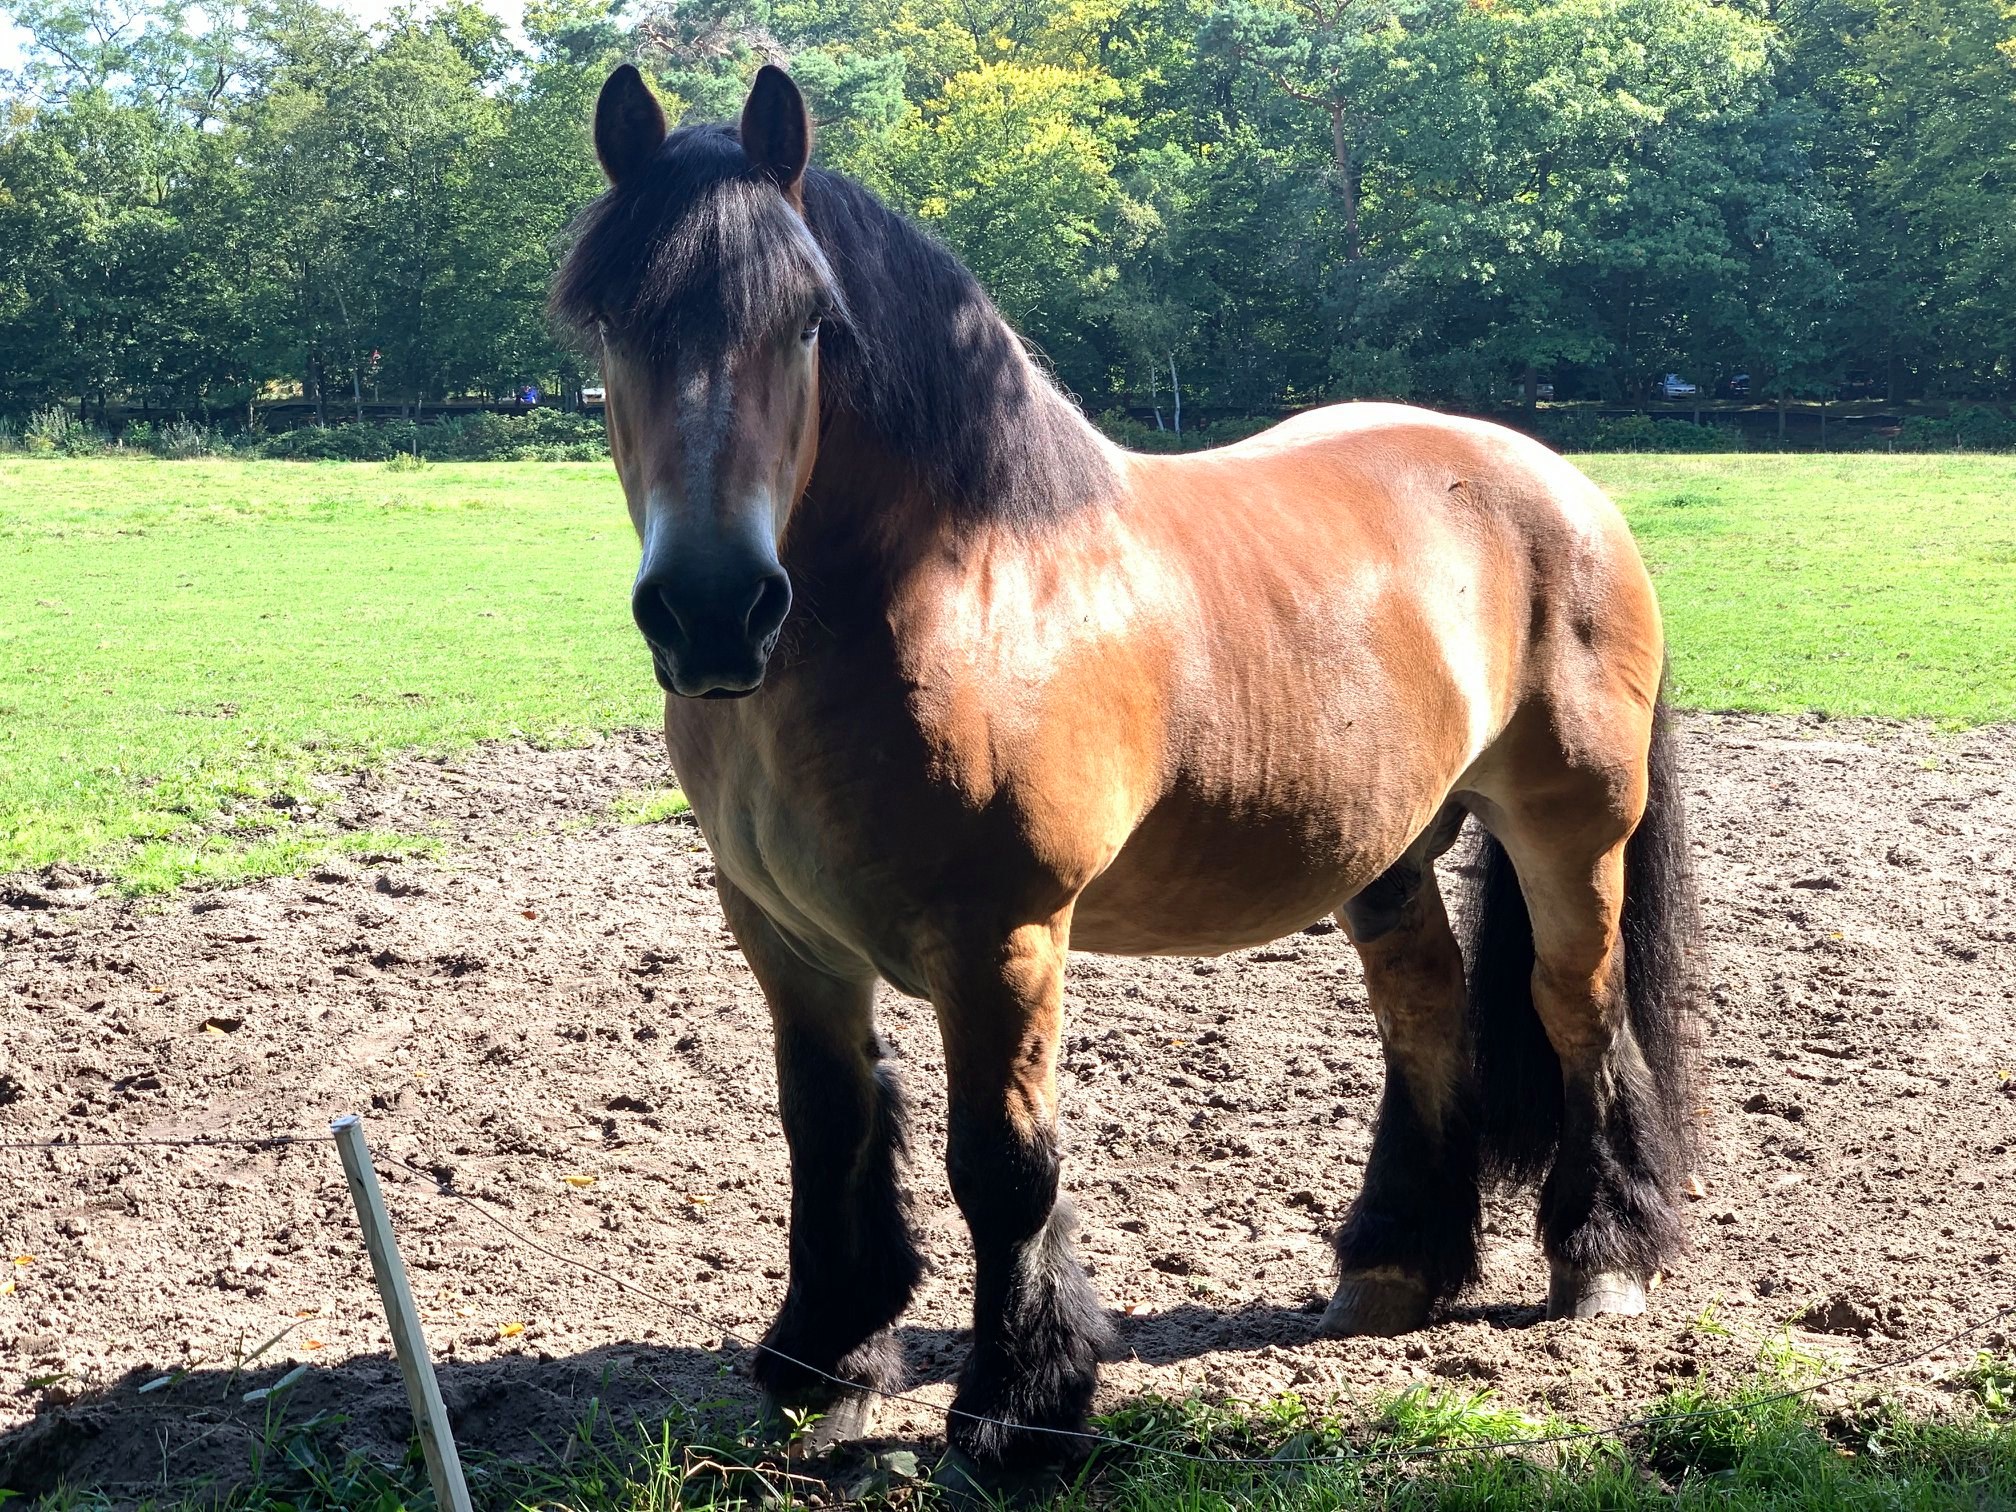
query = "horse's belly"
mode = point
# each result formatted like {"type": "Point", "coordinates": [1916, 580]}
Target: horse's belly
{"type": "Point", "coordinates": [1194, 884]}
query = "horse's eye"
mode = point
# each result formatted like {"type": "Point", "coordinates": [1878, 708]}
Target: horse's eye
{"type": "Point", "coordinates": [811, 331]}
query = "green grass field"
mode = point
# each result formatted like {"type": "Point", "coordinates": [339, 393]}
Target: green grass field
{"type": "Point", "coordinates": [1872, 584]}
{"type": "Point", "coordinates": [181, 643]}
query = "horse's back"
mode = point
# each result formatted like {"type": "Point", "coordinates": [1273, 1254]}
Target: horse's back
{"type": "Point", "coordinates": [1543, 540]}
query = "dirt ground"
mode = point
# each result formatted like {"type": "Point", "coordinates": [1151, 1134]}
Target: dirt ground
{"type": "Point", "coordinates": [556, 998]}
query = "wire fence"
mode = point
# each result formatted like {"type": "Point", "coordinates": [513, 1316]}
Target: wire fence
{"type": "Point", "coordinates": [1086, 1438]}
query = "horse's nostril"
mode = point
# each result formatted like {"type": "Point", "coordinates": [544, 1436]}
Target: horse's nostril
{"type": "Point", "coordinates": [670, 610]}
{"type": "Point", "coordinates": [656, 616]}
{"type": "Point", "coordinates": [771, 603]}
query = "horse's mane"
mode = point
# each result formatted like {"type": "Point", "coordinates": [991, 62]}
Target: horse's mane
{"type": "Point", "coordinates": [697, 248]}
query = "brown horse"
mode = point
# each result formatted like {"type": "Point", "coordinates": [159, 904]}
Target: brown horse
{"type": "Point", "coordinates": [954, 684]}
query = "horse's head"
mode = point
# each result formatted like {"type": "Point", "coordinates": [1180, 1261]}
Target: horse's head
{"type": "Point", "coordinates": [699, 282]}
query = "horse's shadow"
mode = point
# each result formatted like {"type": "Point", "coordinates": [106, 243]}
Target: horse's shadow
{"type": "Point", "coordinates": [212, 1427]}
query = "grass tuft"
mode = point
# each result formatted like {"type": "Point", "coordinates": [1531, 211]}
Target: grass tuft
{"type": "Point", "coordinates": [650, 806]}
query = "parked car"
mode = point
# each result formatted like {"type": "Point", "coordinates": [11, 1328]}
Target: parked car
{"type": "Point", "coordinates": [594, 394]}
{"type": "Point", "coordinates": [1673, 386]}
{"type": "Point", "coordinates": [1738, 385]}
{"type": "Point", "coordinates": [1543, 391]}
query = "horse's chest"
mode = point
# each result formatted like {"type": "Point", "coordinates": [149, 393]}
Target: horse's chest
{"type": "Point", "coordinates": [851, 835]}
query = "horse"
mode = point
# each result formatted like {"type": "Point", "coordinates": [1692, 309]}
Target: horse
{"type": "Point", "coordinates": [954, 684]}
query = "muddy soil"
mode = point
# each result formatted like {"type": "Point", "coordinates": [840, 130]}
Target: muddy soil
{"type": "Point", "coordinates": [556, 998]}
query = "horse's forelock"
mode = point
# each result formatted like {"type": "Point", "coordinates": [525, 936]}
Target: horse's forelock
{"type": "Point", "coordinates": [694, 248]}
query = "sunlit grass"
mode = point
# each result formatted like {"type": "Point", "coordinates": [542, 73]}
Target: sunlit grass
{"type": "Point", "coordinates": [1872, 584]}
{"type": "Point", "coordinates": [1753, 1449]}
{"type": "Point", "coordinates": [652, 806]}
{"type": "Point", "coordinates": [182, 643]}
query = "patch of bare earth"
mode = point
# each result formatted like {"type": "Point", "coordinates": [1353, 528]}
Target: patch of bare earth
{"type": "Point", "coordinates": [557, 997]}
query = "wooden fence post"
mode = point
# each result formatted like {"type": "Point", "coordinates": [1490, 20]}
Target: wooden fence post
{"type": "Point", "coordinates": [430, 1414]}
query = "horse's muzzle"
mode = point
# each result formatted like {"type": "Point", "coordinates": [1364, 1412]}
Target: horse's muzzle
{"type": "Point", "coordinates": [711, 636]}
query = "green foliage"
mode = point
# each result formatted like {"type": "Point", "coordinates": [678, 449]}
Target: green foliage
{"type": "Point", "coordinates": [55, 429]}
{"type": "Point", "coordinates": [1970, 427]}
{"type": "Point", "coordinates": [652, 807]}
{"type": "Point", "coordinates": [373, 442]}
{"type": "Point", "coordinates": [179, 440]}
{"type": "Point", "coordinates": [1581, 431]}
{"type": "Point", "coordinates": [1251, 203]}
{"type": "Point", "coordinates": [1992, 1381]}
{"type": "Point", "coordinates": [542, 435]}
{"type": "Point", "coordinates": [1140, 436]}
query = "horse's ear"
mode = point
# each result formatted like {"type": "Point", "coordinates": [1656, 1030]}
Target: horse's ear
{"type": "Point", "coordinates": [629, 126]}
{"type": "Point", "coordinates": [777, 129]}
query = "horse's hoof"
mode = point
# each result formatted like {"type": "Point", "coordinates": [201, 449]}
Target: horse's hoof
{"type": "Point", "coordinates": [841, 1420]}
{"type": "Point", "coordinates": [1383, 1302]}
{"type": "Point", "coordinates": [965, 1483]}
{"type": "Point", "coordinates": [1590, 1294]}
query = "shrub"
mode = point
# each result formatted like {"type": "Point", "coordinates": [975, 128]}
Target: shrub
{"type": "Point", "coordinates": [181, 439]}
{"type": "Point", "coordinates": [1122, 428]}
{"type": "Point", "coordinates": [369, 442]}
{"type": "Point", "coordinates": [55, 429]}
{"type": "Point", "coordinates": [405, 462]}
{"type": "Point", "coordinates": [544, 435]}
{"type": "Point", "coordinates": [1577, 430]}
{"type": "Point", "coordinates": [541, 436]}
{"type": "Point", "coordinates": [1970, 427]}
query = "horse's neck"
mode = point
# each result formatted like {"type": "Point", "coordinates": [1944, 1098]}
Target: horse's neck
{"type": "Point", "coordinates": [871, 518]}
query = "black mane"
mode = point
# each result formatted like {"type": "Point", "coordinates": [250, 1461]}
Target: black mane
{"type": "Point", "coordinates": [698, 248]}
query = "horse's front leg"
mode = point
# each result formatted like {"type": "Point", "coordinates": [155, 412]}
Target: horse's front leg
{"type": "Point", "coordinates": [1410, 1240]}
{"type": "Point", "coordinates": [854, 1262]}
{"type": "Point", "coordinates": [1037, 1328]}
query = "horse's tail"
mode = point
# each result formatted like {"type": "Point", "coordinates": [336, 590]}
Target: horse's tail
{"type": "Point", "coordinates": [1518, 1073]}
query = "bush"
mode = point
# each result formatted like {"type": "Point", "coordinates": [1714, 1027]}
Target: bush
{"type": "Point", "coordinates": [541, 436]}
{"type": "Point", "coordinates": [1126, 431]}
{"type": "Point", "coordinates": [405, 462]}
{"type": "Point", "coordinates": [1970, 427]}
{"type": "Point", "coordinates": [180, 440]}
{"type": "Point", "coordinates": [10, 433]}
{"type": "Point", "coordinates": [544, 435]}
{"type": "Point", "coordinates": [55, 429]}
{"type": "Point", "coordinates": [1577, 430]}
{"type": "Point", "coordinates": [368, 442]}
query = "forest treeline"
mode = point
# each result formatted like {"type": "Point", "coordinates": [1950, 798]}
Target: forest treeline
{"type": "Point", "coordinates": [1249, 203]}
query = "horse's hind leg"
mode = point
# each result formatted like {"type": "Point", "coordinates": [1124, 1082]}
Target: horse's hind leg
{"type": "Point", "coordinates": [854, 1263]}
{"type": "Point", "coordinates": [1608, 1217]}
{"type": "Point", "coordinates": [1037, 1328]}
{"type": "Point", "coordinates": [1410, 1239]}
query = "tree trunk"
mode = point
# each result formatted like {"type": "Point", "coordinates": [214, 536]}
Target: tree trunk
{"type": "Point", "coordinates": [1346, 166]}
{"type": "Point", "coordinates": [1781, 419]}
{"type": "Point", "coordinates": [1532, 386]}
{"type": "Point", "coordinates": [1176, 389]}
